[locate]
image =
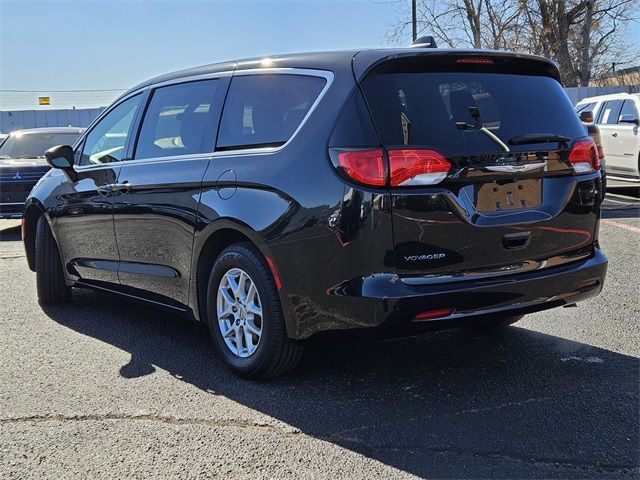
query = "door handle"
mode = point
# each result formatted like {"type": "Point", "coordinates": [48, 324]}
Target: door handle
{"type": "Point", "coordinates": [516, 241]}
{"type": "Point", "coordinates": [123, 187]}
{"type": "Point", "coordinates": [614, 134]}
{"type": "Point", "coordinates": [110, 188]}
{"type": "Point", "coordinates": [105, 189]}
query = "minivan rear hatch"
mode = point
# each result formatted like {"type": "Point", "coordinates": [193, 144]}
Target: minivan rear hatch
{"type": "Point", "coordinates": [489, 167]}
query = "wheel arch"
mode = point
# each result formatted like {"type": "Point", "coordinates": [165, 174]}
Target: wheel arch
{"type": "Point", "coordinates": [32, 214]}
{"type": "Point", "coordinates": [210, 243]}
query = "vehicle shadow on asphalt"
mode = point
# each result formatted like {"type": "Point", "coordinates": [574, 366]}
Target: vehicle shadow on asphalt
{"type": "Point", "coordinates": [631, 211]}
{"type": "Point", "coordinates": [10, 234]}
{"type": "Point", "coordinates": [517, 404]}
{"type": "Point", "coordinates": [627, 206]}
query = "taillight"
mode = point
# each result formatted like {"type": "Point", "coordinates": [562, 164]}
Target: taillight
{"type": "Point", "coordinates": [364, 166]}
{"type": "Point", "coordinates": [407, 167]}
{"type": "Point", "coordinates": [417, 167]}
{"type": "Point", "coordinates": [584, 156]}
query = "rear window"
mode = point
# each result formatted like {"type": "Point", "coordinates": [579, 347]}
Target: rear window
{"type": "Point", "coordinates": [427, 109]}
{"type": "Point", "coordinates": [265, 110]}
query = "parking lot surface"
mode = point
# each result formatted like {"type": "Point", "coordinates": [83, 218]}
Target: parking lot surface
{"type": "Point", "coordinates": [105, 388]}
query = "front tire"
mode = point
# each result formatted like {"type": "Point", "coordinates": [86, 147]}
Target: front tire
{"type": "Point", "coordinates": [245, 316]}
{"type": "Point", "coordinates": [50, 281]}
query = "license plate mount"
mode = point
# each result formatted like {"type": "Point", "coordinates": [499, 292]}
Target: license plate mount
{"type": "Point", "coordinates": [521, 194]}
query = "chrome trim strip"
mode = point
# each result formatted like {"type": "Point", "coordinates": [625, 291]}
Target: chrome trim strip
{"type": "Point", "coordinates": [175, 158]}
{"type": "Point", "coordinates": [314, 72]}
{"type": "Point", "coordinates": [192, 78]}
{"type": "Point", "coordinates": [11, 203]}
{"type": "Point", "coordinates": [98, 166]}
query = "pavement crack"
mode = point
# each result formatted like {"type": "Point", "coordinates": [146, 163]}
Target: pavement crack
{"type": "Point", "coordinates": [498, 407]}
{"type": "Point", "coordinates": [287, 430]}
{"type": "Point", "coordinates": [339, 433]}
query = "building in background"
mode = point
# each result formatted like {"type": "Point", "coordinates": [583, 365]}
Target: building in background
{"type": "Point", "coordinates": [622, 77]}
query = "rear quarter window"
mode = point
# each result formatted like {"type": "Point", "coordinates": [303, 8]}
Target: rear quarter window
{"type": "Point", "coordinates": [265, 110]}
{"type": "Point", "coordinates": [424, 108]}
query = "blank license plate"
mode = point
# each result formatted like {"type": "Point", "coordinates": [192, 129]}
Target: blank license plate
{"type": "Point", "coordinates": [492, 197]}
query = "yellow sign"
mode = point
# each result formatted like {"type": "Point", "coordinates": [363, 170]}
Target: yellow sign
{"type": "Point", "coordinates": [44, 100]}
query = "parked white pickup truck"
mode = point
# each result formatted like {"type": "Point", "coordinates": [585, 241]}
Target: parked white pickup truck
{"type": "Point", "coordinates": [619, 121]}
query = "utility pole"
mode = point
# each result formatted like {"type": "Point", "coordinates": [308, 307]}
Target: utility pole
{"type": "Point", "coordinates": [414, 21]}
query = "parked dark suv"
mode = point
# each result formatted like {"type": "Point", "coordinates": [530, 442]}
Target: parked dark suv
{"type": "Point", "coordinates": [391, 191]}
{"type": "Point", "coordinates": [22, 163]}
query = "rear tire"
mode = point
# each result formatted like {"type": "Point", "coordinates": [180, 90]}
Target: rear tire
{"type": "Point", "coordinates": [50, 281]}
{"type": "Point", "coordinates": [497, 324]}
{"type": "Point", "coordinates": [253, 345]}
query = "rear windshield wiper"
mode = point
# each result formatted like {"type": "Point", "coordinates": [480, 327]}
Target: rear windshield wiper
{"type": "Point", "coordinates": [537, 138]}
{"type": "Point", "coordinates": [480, 128]}
{"type": "Point", "coordinates": [475, 113]}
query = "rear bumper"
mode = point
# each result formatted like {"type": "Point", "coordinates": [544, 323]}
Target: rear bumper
{"type": "Point", "coordinates": [388, 304]}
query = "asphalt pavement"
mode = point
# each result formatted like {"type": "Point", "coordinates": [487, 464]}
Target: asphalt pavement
{"type": "Point", "coordinates": [105, 388]}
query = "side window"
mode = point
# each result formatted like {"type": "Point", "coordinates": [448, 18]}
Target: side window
{"type": "Point", "coordinates": [265, 110]}
{"type": "Point", "coordinates": [178, 121]}
{"type": "Point", "coordinates": [628, 108]}
{"type": "Point", "coordinates": [107, 140]}
{"type": "Point", "coordinates": [610, 112]}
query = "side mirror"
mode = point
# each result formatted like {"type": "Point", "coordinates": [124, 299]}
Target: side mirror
{"type": "Point", "coordinates": [629, 118]}
{"type": "Point", "coordinates": [61, 157]}
{"type": "Point", "coordinates": [586, 116]}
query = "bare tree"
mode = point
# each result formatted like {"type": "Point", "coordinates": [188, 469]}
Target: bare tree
{"type": "Point", "coordinates": [466, 23]}
{"type": "Point", "coordinates": [584, 37]}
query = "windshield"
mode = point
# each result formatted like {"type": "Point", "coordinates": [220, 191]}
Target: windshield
{"type": "Point", "coordinates": [445, 111]}
{"type": "Point", "coordinates": [33, 145]}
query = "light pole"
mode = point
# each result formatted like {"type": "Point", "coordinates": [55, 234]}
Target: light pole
{"type": "Point", "coordinates": [414, 21]}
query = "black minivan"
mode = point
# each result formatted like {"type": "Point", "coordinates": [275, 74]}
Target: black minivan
{"type": "Point", "coordinates": [386, 191]}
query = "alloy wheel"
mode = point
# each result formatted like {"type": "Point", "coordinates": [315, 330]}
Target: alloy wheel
{"type": "Point", "coordinates": [239, 312]}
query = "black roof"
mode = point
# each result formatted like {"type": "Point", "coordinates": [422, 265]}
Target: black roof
{"type": "Point", "coordinates": [336, 61]}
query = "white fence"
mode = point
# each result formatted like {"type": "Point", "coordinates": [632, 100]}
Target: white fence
{"type": "Point", "coordinates": [19, 119]}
